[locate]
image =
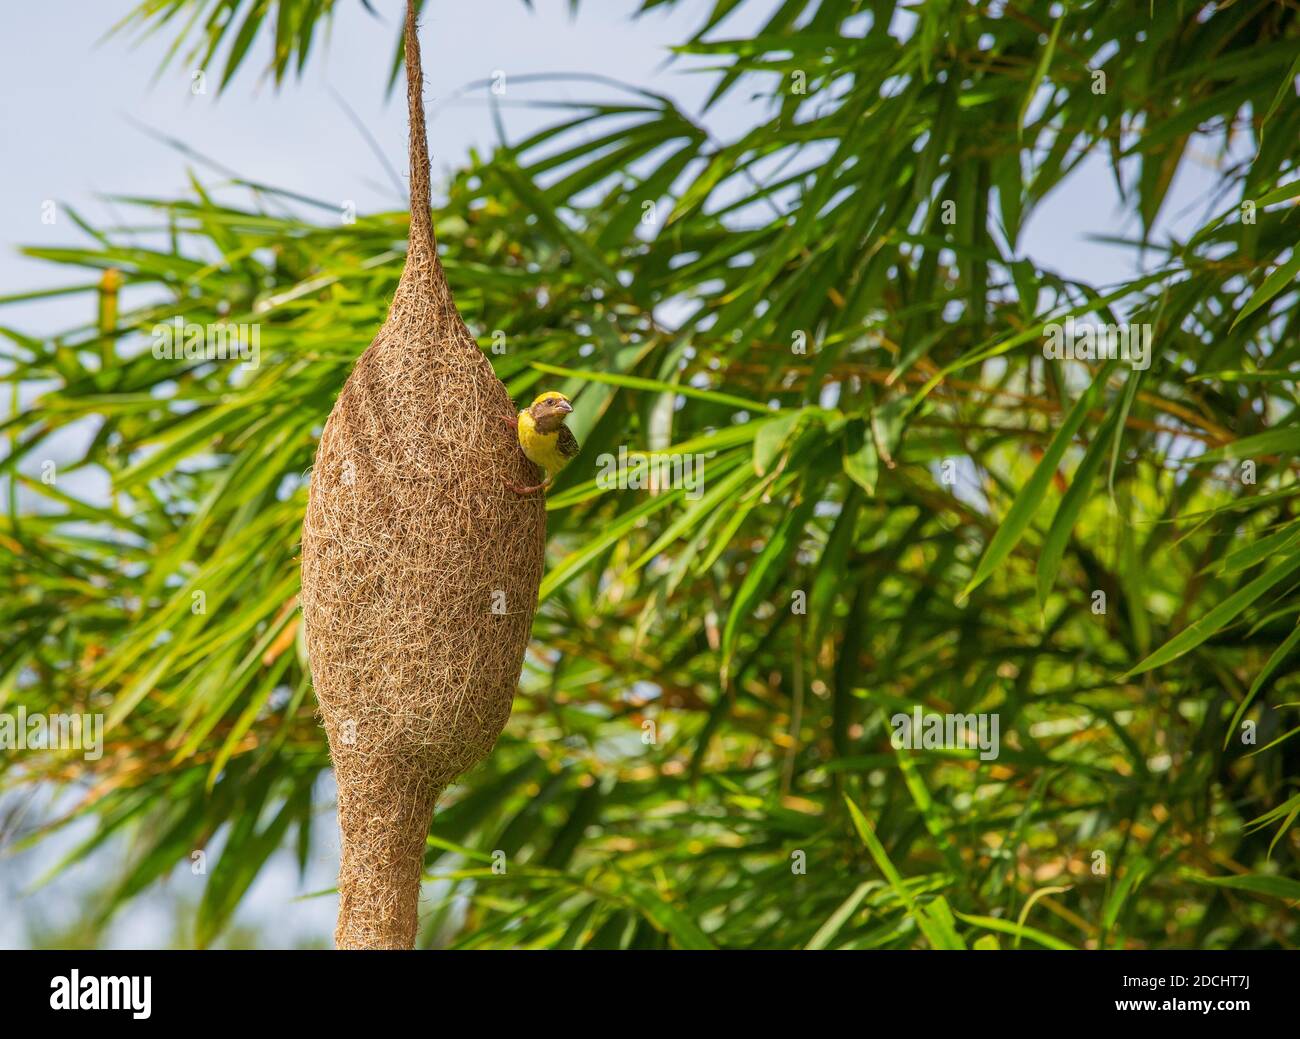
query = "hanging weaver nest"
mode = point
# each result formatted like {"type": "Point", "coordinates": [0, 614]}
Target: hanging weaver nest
{"type": "Point", "coordinates": [419, 574]}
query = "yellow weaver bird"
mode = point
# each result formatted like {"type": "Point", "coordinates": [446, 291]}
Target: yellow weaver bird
{"type": "Point", "coordinates": [544, 438]}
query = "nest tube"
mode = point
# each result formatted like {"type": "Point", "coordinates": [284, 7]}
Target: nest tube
{"type": "Point", "coordinates": [420, 573]}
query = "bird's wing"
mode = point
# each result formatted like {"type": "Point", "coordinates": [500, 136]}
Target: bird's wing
{"type": "Point", "coordinates": [568, 442]}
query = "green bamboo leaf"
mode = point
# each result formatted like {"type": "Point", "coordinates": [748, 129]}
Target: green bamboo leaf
{"type": "Point", "coordinates": [1281, 278]}
{"type": "Point", "coordinates": [868, 837]}
{"type": "Point", "coordinates": [1041, 892]}
{"type": "Point", "coordinates": [1283, 194]}
{"type": "Point", "coordinates": [666, 917]}
{"type": "Point", "coordinates": [634, 382]}
{"type": "Point", "coordinates": [829, 578]}
{"type": "Point", "coordinates": [1283, 441]}
{"type": "Point", "coordinates": [1040, 72]}
{"type": "Point", "coordinates": [520, 183]}
{"type": "Point", "coordinates": [843, 912]}
{"type": "Point", "coordinates": [935, 822]}
{"type": "Point", "coordinates": [1286, 888]}
{"type": "Point", "coordinates": [707, 505]}
{"type": "Point", "coordinates": [1218, 618]}
{"type": "Point", "coordinates": [934, 923]}
{"type": "Point", "coordinates": [245, 851]}
{"type": "Point", "coordinates": [1031, 496]}
{"type": "Point", "coordinates": [1067, 513]}
{"type": "Point", "coordinates": [1243, 376]}
{"type": "Point", "coordinates": [860, 460]}
{"type": "Point", "coordinates": [1275, 742]}
{"type": "Point", "coordinates": [763, 573]}
{"type": "Point", "coordinates": [1252, 554]}
{"type": "Point", "coordinates": [650, 189]}
{"type": "Point", "coordinates": [577, 561]}
{"type": "Point", "coordinates": [1284, 89]}
{"type": "Point", "coordinates": [1279, 654]}
{"type": "Point", "coordinates": [992, 923]}
{"type": "Point", "coordinates": [771, 439]}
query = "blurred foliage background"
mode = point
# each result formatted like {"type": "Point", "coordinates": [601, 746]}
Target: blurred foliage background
{"type": "Point", "coordinates": [700, 752]}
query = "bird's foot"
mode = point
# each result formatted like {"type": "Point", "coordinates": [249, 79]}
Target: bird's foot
{"type": "Point", "coordinates": [510, 420]}
{"type": "Point", "coordinates": [528, 490]}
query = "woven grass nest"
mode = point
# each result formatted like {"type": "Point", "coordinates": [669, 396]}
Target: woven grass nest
{"type": "Point", "coordinates": [420, 573]}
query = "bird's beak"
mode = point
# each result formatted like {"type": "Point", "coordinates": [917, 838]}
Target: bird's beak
{"type": "Point", "coordinates": [564, 406]}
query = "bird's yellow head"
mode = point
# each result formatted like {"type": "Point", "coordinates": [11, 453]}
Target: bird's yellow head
{"type": "Point", "coordinates": [549, 410]}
